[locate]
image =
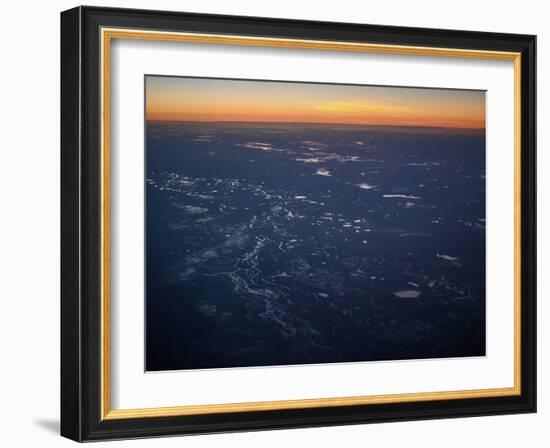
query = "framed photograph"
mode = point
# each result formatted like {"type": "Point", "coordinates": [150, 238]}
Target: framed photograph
{"type": "Point", "coordinates": [275, 224]}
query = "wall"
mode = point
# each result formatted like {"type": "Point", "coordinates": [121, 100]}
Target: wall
{"type": "Point", "coordinates": [29, 236]}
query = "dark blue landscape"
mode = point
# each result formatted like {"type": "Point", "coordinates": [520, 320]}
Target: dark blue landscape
{"type": "Point", "coordinates": [279, 244]}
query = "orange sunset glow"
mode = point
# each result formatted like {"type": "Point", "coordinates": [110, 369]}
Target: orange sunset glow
{"type": "Point", "coordinates": [203, 99]}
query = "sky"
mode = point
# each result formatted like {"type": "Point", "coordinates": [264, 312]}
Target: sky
{"type": "Point", "coordinates": [204, 99]}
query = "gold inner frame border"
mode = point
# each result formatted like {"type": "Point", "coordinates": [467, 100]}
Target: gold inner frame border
{"type": "Point", "coordinates": [107, 35]}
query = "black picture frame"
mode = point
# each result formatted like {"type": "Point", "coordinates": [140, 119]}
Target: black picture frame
{"type": "Point", "coordinates": [81, 381]}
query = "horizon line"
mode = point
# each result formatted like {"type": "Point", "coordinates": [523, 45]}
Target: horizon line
{"type": "Point", "coordinates": [147, 120]}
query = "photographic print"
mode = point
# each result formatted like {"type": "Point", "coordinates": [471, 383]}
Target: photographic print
{"type": "Point", "coordinates": [297, 223]}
